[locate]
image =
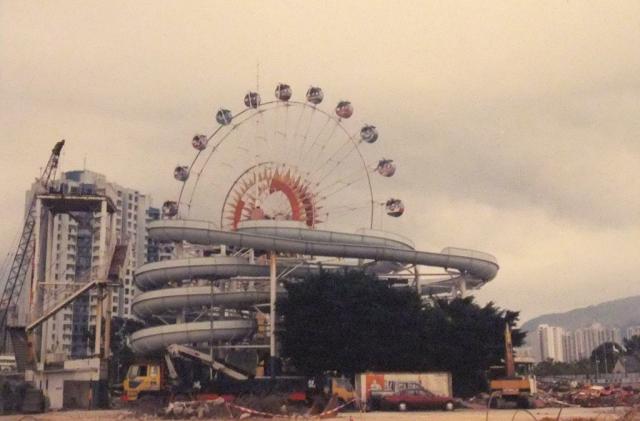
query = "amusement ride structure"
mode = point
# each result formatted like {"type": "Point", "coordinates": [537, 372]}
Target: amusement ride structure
{"type": "Point", "coordinates": [274, 193]}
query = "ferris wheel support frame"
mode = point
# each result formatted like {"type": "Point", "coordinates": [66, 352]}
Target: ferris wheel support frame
{"type": "Point", "coordinates": [273, 105]}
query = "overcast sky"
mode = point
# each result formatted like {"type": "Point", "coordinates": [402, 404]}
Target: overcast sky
{"type": "Point", "coordinates": [515, 125]}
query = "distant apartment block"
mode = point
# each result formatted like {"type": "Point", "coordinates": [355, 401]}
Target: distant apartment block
{"type": "Point", "coordinates": [157, 251]}
{"type": "Point", "coordinates": [550, 343]}
{"type": "Point", "coordinates": [632, 331]}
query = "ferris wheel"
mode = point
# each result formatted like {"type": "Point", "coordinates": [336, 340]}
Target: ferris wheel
{"type": "Point", "coordinates": [285, 159]}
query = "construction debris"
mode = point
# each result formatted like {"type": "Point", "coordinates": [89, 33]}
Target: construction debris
{"type": "Point", "coordinates": [563, 393]}
{"type": "Point", "coordinates": [246, 407]}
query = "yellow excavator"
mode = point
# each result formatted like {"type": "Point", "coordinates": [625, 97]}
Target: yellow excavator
{"type": "Point", "coordinates": [514, 382]}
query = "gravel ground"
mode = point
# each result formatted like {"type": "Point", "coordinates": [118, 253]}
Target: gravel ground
{"type": "Point", "coordinates": [568, 414]}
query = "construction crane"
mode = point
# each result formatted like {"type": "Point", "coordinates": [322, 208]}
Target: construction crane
{"type": "Point", "coordinates": [24, 253]}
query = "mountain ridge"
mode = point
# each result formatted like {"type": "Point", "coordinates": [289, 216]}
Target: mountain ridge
{"type": "Point", "coordinates": [620, 313]}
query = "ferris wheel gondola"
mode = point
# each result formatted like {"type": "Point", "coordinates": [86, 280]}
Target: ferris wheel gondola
{"type": "Point", "coordinates": [315, 95]}
{"type": "Point", "coordinates": [344, 109]}
{"type": "Point", "coordinates": [283, 92]}
{"type": "Point", "coordinates": [199, 142]}
{"type": "Point", "coordinates": [386, 167]}
{"type": "Point", "coordinates": [224, 116]}
{"type": "Point", "coordinates": [394, 207]}
{"type": "Point", "coordinates": [252, 100]}
{"type": "Point", "coordinates": [169, 209]}
{"type": "Point", "coordinates": [369, 133]}
{"type": "Point", "coordinates": [181, 173]}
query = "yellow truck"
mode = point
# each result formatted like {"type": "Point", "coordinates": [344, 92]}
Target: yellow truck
{"type": "Point", "coordinates": [330, 386]}
{"type": "Point", "coordinates": [161, 378]}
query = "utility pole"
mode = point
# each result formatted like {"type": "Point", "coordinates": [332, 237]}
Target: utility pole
{"type": "Point", "coordinates": [272, 313]}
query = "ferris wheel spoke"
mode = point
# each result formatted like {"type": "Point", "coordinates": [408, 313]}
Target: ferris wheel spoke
{"type": "Point", "coordinates": [340, 152]}
{"type": "Point", "coordinates": [309, 153]}
{"type": "Point", "coordinates": [295, 132]}
{"type": "Point", "coordinates": [338, 189]}
{"type": "Point", "coordinates": [294, 163]}
{"type": "Point", "coordinates": [349, 179]}
{"type": "Point", "coordinates": [303, 153]}
{"type": "Point", "coordinates": [215, 147]}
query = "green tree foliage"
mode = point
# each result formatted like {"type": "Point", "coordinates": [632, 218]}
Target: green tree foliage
{"type": "Point", "coordinates": [352, 322]}
{"type": "Point", "coordinates": [555, 368]}
{"type": "Point", "coordinates": [605, 356]}
{"type": "Point", "coordinates": [467, 339]}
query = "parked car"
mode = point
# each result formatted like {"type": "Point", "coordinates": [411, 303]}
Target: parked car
{"type": "Point", "coordinates": [416, 399]}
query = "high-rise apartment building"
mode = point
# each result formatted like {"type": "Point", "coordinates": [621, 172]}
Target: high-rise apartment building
{"type": "Point", "coordinates": [588, 338]}
{"type": "Point", "coordinates": [157, 251]}
{"type": "Point", "coordinates": [569, 347]}
{"type": "Point", "coordinates": [74, 255]}
{"type": "Point", "coordinates": [632, 331]}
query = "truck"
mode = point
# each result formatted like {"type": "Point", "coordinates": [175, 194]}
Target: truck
{"type": "Point", "coordinates": [330, 386]}
{"type": "Point", "coordinates": [168, 377]}
{"type": "Point", "coordinates": [513, 383]}
{"type": "Point", "coordinates": [373, 388]}
{"type": "Point", "coordinates": [182, 373]}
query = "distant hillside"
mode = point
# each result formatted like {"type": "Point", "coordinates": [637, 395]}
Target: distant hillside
{"type": "Point", "coordinates": [620, 313]}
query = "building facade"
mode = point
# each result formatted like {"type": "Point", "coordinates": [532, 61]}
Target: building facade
{"type": "Point", "coordinates": [75, 253]}
{"type": "Point", "coordinates": [550, 343]}
{"type": "Point", "coordinates": [632, 331]}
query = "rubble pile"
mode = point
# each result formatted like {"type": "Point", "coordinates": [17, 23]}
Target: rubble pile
{"type": "Point", "coordinates": [270, 406]}
{"type": "Point", "coordinates": [564, 393]}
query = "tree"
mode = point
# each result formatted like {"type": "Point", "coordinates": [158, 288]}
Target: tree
{"type": "Point", "coordinates": [467, 339]}
{"type": "Point", "coordinates": [556, 368]}
{"type": "Point", "coordinates": [605, 356]}
{"type": "Point", "coordinates": [352, 322]}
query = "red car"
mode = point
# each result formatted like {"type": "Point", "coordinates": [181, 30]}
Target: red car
{"type": "Point", "coordinates": [416, 399]}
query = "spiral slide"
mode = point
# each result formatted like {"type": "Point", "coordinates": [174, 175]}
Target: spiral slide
{"type": "Point", "coordinates": [161, 300]}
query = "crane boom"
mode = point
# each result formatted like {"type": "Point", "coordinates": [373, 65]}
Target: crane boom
{"type": "Point", "coordinates": [24, 253]}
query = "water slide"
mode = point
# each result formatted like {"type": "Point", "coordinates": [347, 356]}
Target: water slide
{"type": "Point", "coordinates": [385, 249]}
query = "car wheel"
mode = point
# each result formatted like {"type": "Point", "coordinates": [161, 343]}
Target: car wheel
{"type": "Point", "coordinates": [448, 406]}
{"type": "Point", "coordinates": [402, 406]}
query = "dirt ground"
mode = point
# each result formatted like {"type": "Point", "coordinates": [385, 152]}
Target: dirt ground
{"type": "Point", "coordinates": [568, 414]}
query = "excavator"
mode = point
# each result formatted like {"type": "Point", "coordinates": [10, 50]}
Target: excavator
{"type": "Point", "coordinates": [514, 382]}
{"type": "Point", "coordinates": [166, 378]}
